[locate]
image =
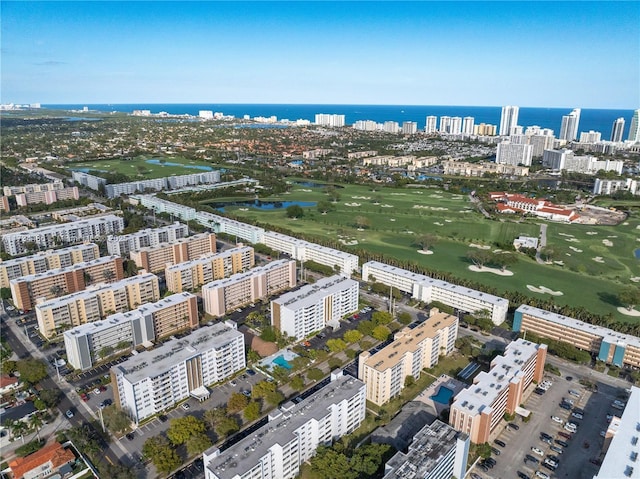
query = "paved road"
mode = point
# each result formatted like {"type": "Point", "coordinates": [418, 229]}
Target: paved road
{"type": "Point", "coordinates": [83, 414]}
{"type": "Point", "coordinates": [542, 242]}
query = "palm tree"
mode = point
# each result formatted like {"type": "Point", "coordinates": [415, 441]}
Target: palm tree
{"type": "Point", "coordinates": [18, 428]}
{"type": "Point", "coordinates": [108, 275]}
{"type": "Point", "coordinates": [36, 423]}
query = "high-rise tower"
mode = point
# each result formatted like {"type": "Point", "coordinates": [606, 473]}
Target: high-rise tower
{"type": "Point", "coordinates": [508, 119]}
{"type": "Point", "coordinates": [569, 128]}
{"type": "Point", "coordinates": [634, 130]}
{"type": "Point", "coordinates": [617, 130]}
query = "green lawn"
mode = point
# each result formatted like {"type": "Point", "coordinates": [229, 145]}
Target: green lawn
{"type": "Point", "coordinates": [401, 215]}
{"type": "Point", "coordinates": [141, 167]}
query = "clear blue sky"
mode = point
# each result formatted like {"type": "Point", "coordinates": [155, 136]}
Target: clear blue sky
{"type": "Point", "coordinates": [555, 54]}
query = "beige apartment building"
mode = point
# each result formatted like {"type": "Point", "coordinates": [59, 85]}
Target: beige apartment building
{"type": "Point", "coordinates": [479, 409]}
{"type": "Point", "coordinates": [611, 347]}
{"type": "Point", "coordinates": [156, 258]}
{"type": "Point", "coordinates": [45, 261]}
{"type": "Point", "coordinates": [95, 303]}
{"type": "Point", "coordinates": [191, 275]}
{"type": "Point", "coordinates": [412, 350]}
{"type": "Point", "coordinates": [223, 295]}
{"type": "Point", "coordinates": [26, 291]}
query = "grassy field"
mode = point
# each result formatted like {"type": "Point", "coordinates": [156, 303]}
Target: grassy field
{"type": "Point", "coordinates": [145, 167]}
{"type": "Point", "coordinates": [592, 265]}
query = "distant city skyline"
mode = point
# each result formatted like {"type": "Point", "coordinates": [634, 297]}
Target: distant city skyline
{"type": "Point", "coordinates": [535, 54]}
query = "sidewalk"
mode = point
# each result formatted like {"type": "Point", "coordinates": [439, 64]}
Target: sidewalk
{"type": "Point", "coordinates": [64, 386]}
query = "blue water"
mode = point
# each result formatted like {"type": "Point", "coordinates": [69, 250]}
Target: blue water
{"type": "Point", "coordinates": [443, 395]}
{"type": "Point", "coordinates": [636, 253]}
{"type": "Point", "coordinates": [168, 163]}
{"type": "Point", "coordinates": [590, 119]}
{"type": "Point", "coordinates": [281, 361]}
{"type": "Point", "coordinates": [309, 184]}
{"type": "Point", "coordinates": [263, 205]}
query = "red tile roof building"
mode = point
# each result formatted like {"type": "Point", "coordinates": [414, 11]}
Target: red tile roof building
{"type": "Point", "coordinates": [516, 203]}
{"type": "Point", "coordinates": [47, 460]}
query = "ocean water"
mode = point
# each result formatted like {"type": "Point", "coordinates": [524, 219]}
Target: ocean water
{"type": "Point", "coordinates": [590, 119]}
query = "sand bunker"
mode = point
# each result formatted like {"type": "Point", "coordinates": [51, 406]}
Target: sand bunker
{"type": "Point", "coordinates": [592, 232]}
{"type": "Point", "coordinates": [486, 269]}
{"type": "Point", "coordinates": [598, 259]}
{"type": "Point", "coordinates": [392, 219]}
{"type": "Point", "coordinates": [305, 190]}
{"type": "Point", "coordinates": [437, 223]}
{"type": "Point", "coordinates": [447, 221]}
{"type": "Point", "coordinates": [387, 206]}
{"type": "Point", "coordinates": [398, 194]}
{"type": "Point", "coordinates": [628, 312]}
{"type": "Point", "coordinates": [544, 290]}
{"type": "Point", "coordinates": [361, 197]}
{"type": "Point", "coordinates": [607, 242]}
{"type": "Point", "coordinates": [348, 242]}
{"type": "Point", "coordinates": [421, 251]}
{"type": "Point", "coordinates": [479, 246]}
{"type": "Point", "coordinates": [352, 204]}
{"type": "Point", "coordinates": [572, 240]}
{"type": "Point", "coordinates": [559, 263]}
{"type": "Point", "coordinates": [565, 234]}
{"type": "Point", "coordinates": [635, 279]}
{"type": "Point", "coordinates": [573, 248]}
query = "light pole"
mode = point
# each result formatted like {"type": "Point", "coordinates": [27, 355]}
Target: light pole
{"type": "Point", "coordinates": [101, 419]}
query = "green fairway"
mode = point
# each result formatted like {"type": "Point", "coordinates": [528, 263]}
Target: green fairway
{"type": "Point", "coordinates": [145, 167]}
{"type": "Point", "coordinates": [591, 265]}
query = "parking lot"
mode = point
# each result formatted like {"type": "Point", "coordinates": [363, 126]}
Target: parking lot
{"type": "Point", "coordinates": [576, 453]}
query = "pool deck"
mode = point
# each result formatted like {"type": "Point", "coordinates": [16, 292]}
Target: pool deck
{"type": "Point", "coordinates": [444, 380]}
{"type": "Point", "coordinates": [267, 363]}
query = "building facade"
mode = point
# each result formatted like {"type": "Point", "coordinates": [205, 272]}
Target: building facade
{"type": "Point", "coordinates": [621, 442]}
{"type": "Point", "coordinates": [609, 187]}
{"type": "Point", "coordinates": [617, 130]}
{"type": "Point", "coordinates": [224, 295]}
{"type": "Point", "coordinates": [426, 289]}
{"type": "Point", "coordinates": [68, 233]}
{"type": "Point", "coordinates": [569, 126]}
{"type": "Point", "coordinates": [45, 261]}
{"type": "Point", "coordinates": [95, 303]}
{"type": "Point", "coordinates": [150, 237]}
{"type": "Point", "coordinates": [292, 435]}
{"type": "Point", "coordinates": [153, 381]}
{"type": "Point", "coordinates": [304, 251]}
{"type": "Point", "coordinates": [314, 307]}
{"type": "Point", "coordinates": [437, 452]}
{"type": "Point", "coordinates": [89, 343]}
{"type": "Point", "coordinates": [634, 128]}
{"type": "Point", "coordinates": [193, 274]}
{"type": "Point", "coordinates": [156, 258]}
{"type": "Point", "coordinates": [609, 346]}
{"type": "Point", "coordinates": [411, 351]}
{"type": "Point", "coordinates": [26, 291]}
{"type": "Point", "coordinates": [477, 410]}
{"type": "Point", "coordinates": [514, 154]}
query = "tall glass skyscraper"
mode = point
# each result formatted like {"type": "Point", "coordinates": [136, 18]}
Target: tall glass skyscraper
{"type": "Point", "coordinates": [634, 130]}
{"type": "Point", "coordinates": [569, 128]}
{"type": "Point", "coordinates": [508, 119]}
{"type": "Point", "coordinates": [617, 130]}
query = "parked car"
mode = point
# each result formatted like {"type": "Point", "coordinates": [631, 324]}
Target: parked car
{"type": "Point", "coordinates": [522, 475]}
{"type": "Point", "coordinates": [495, 451]}
{"type": "Point", "coordinates": [130, 436]}
{"type": "Point", "coordinates": [542, 475]}
{"type": "Point", "coordinates": [544, 435]}
{"type": "Point", "coordinates": [163, 418]}
{"type": "Point", "coordinates": [577, 415]}
{"type": "Point", "coordinates": [531, 458]}
{"type": "Point", "coordinates": [537, 451]}
{"type": "Point", "coordinates": [561, 443]}
{"type": "Point", "coordinates": [565, 435]}
{"type": "Point", "coordinates": [186, 406]}
{"type": "Point", "coordinates": [566, 406]}
{"type": "Point", "coordinates": [499, 443]}
{"type": "Point", "coordinates": [69, 413]}
{"type": "Point", "coordinates": [557, 449]}
{"type": "Point", "coordinates": [514, 426]}
{"type": "Point", "coordinates": [574, 393]}
{"type": "Point", "coordinates": [557, 419]}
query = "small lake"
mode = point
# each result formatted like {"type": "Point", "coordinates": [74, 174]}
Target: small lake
{"type": "Point", "coordinates": [87, 169]}
{"type": "Point", "coordinates": [313, 184]}
{"type": "Point", "coordinates": [264, 205]}
{"type": "Point", "coordinates": [155, 161]}
{"type": "Point", "coordinates": [636, 253]}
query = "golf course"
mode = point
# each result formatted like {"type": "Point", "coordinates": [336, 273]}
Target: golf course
{"type": "Point", "coordinates": [590, 264]}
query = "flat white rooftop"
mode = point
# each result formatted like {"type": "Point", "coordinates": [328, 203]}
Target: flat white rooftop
{"type": "Point", "coordinates": [68, 269]}
{"type": "Point", "coordinates": [245, 454]}
{"type": "Point", "coordinates": [207, 258]}
{"type": "Point", "coordinates": [257, 271]}
{"type": "Point", "coordinates": [312, 293]}
{"type": "Point", "coordinates": [175, 351]}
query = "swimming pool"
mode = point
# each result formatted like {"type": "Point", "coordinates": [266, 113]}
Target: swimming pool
{"type": "Point", "coordinates": [443, 395]}
{"type": "Point", "coordinates": [282, 362]}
